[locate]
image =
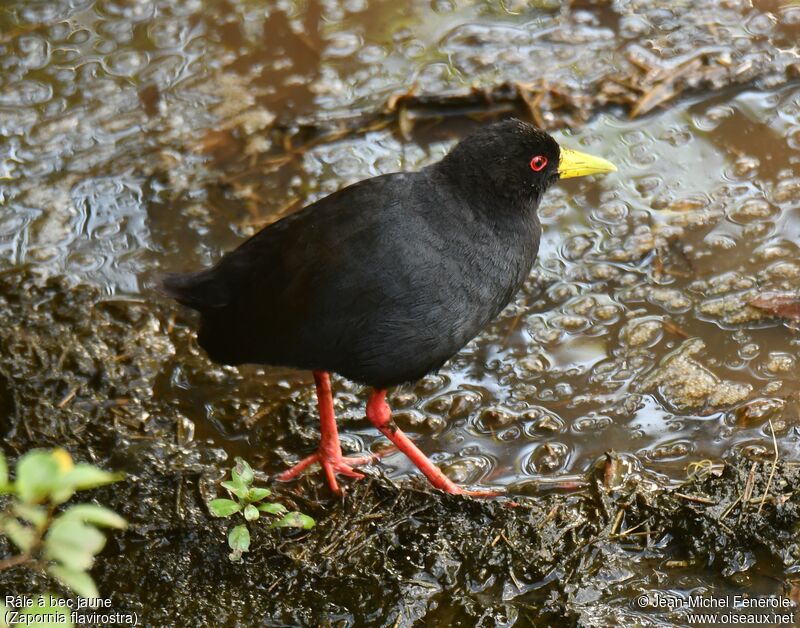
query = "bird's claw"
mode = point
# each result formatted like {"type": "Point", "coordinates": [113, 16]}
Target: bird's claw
{"type": "Point", "coordinates": [331, 465]}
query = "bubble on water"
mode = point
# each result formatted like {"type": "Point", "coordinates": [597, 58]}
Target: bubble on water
{"type": "Point", "coordinates": [787, 191]}
{"type": "Point", "coordinates": [467, 469]}
{"type": "Point", "coordinates": [356, 6]}
{"type": "Point", "coordinates": [581, 306]}
{"type": "Point", "coordinates": [493, 418]}
{"type": "Point", "coordinates": [403, 399]}
{"type": "Point", "coordinates": [561, 291]}
{"type": "Point", "coordinates": [139, 10]}
{"type": "Point", "coordinates": [759, 24]}
{"type": "Point", "coordinates": [418, 422]}
{"type": "Point", "coordinates": [769, 252]}
{"type": "Point", "coordinates": [454, 406]}
{"type": "Point", "coordinates": [593, 422]}
{"type": "Point", "coordinates": [443, 6]}
{"type": "Point", "coordinates": [570, 323]}
{"type": "Point", "coordinates": [783, 272]}
{"type": "Point", "coordinates": [166, 33]}
{"type": "Point", "coordinates": [371, 54]}
{"type": "Point", "coordinates": [35, 51]}
{"type": "Point", "coordinates": [779, 362]}
{"type": "Point", "coordinates": [720, 241]}
{"type": "Point", "coordinates": [669, 299]}
{"type": "Point", "coordinates": [752, 210]}
{"type": "Point", "coordinates": [24, 93]}
{"type": "Point", "coordinates": [676, 136]}
{"type": "Point", "coordinates": [633, 26]}
{"type": "Point", "coordinates": [608, 313]}
{"type": "Point", "coordinates": [754, 451]}
{"type": "Point", "coordinates": [749, 351]}
{"type": "Point", "coordinates": [343, 45]}
{"type": "Point", "coordinates": [671, 450]}
{"type": "Point", "coordinates": [576, 247]}
{"type": "Point", "coordinates": [642, 332]}
{"type": "Point", "coordinates": [41, 13]}
{"type": "Point", "coordinates": [121, 31]}
{"type": "Point", "coordinates": [547, 458]}
{"type": "Point", "coordinates": [125, 63]}
{"type": "Point", "coordinates": [713, 117]}
{"type": "Point", "coordinates": [81, 262]}
{"type": "Point", "coordinates": [59, 31]}
{"type": "Point", "coordinates": [539, 420]}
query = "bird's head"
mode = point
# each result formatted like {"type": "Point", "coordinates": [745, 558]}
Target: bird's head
{"type": "Point", "coordinates": [515, 161]}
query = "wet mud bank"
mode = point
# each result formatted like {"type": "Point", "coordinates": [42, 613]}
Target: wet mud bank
{"type": "Point", "coordinates": [385, 554]}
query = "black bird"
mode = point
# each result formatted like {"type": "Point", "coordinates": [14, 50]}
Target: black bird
{"type": "Point", "coordinates": [386, 279]}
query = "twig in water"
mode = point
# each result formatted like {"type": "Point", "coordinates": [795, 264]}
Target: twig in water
{"type": "Point", "coordinates": [696, 498]}
{"type": "Point", "coordinates": [772, 471]}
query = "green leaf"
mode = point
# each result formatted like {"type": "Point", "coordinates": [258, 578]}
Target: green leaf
{"type": "Point", "coordinates": [273, 509]}
{"type": "Point", "coordinates": [20, 535]}
{"type": "Point", "coordinates": [76, 580]}
{"type": "Point", "coordinates": [295, 520]}
{"type": "Point", "coordinates": [238, 541]}
{"type": "Point", "coordinates": [250, 512]}
{"type": "Point", "coordinates": [82, 477]}
{"type": "Point", "coordinates": [236, 487]}
{"type": "Point", "coordinates": [73, 543]}
{"type": "Point", "coordinates": [4, 610]}
{"type": "Point", "coordinates": [222, 507]}
{"type": "Point", "coordinates": [94, 514]}
{"type": "Point", "coordinates": [79, 478]}
{"type": "Point", "coordinates": [56, 615]}
{"type": "Point", "coordinates": [33, 514]}
{"type": "Point", "coordinates": [37, 473]}
{"type": "Point", "coordinates": [86, 476]}
{"type": "Point", "coordinates": [257, 494]}
{"type": "Point", "coordinates": [242, 471]}
{"type": "Point", "coordinates": [3, 469]}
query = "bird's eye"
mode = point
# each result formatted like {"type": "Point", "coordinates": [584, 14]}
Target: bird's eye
{"type": "Point", "coordinates": [538, 163]}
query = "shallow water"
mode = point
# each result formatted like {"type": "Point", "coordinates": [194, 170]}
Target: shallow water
{"type": "Point", "coordinates": [139, 137]}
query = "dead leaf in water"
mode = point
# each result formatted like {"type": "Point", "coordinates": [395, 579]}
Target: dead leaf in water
{"type": "Point", "coordinates": [782, 304]}
{"type": "Point", "coordinates": [221, 145]}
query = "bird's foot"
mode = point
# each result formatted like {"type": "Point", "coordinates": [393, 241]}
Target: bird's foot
{"type": "Point", "coordinates": [331, 463]}
{"type": "Point", "coordinates": [380, 415]}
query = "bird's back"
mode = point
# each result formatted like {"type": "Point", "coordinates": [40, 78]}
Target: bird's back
{"type": "Point", "coordinates": [381, 282]}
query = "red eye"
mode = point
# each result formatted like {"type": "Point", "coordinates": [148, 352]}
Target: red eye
{"type": "Point", "coordinates": [538, 163]}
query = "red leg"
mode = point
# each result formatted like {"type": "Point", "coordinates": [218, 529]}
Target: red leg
{"type": "Point", "coordinates": [329, 453]}
{"type": "Point", "coordinates": [380, 414]}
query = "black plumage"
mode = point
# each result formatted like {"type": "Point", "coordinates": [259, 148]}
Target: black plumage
{"type": "Point", "coordinates": [384, 280]}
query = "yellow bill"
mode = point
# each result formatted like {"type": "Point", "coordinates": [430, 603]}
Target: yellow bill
{"type": "Point", "coordinates": [573, 163]}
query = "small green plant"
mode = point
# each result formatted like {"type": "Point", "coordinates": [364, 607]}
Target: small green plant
{"type": "Point", "coordinates": [249, 500]}
{"type": "Point", "coordinates": [61, 541]}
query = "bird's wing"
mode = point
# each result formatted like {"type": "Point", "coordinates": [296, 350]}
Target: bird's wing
{"type": "Point", "coordinates": [325, 274]}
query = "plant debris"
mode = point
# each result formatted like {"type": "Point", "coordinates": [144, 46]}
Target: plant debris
{"type": "Point", "coordinates": [785, 305]}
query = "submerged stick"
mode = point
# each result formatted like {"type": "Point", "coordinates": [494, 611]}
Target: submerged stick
{"type": "Point", "coordinates": [772, 471]}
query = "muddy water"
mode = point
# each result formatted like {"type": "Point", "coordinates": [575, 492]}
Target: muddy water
{"type": "Point", "coordinates": [141, 136]}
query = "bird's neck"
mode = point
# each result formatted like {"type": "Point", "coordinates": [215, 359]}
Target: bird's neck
{"type": "Point", "coordinates": [499, 203]}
